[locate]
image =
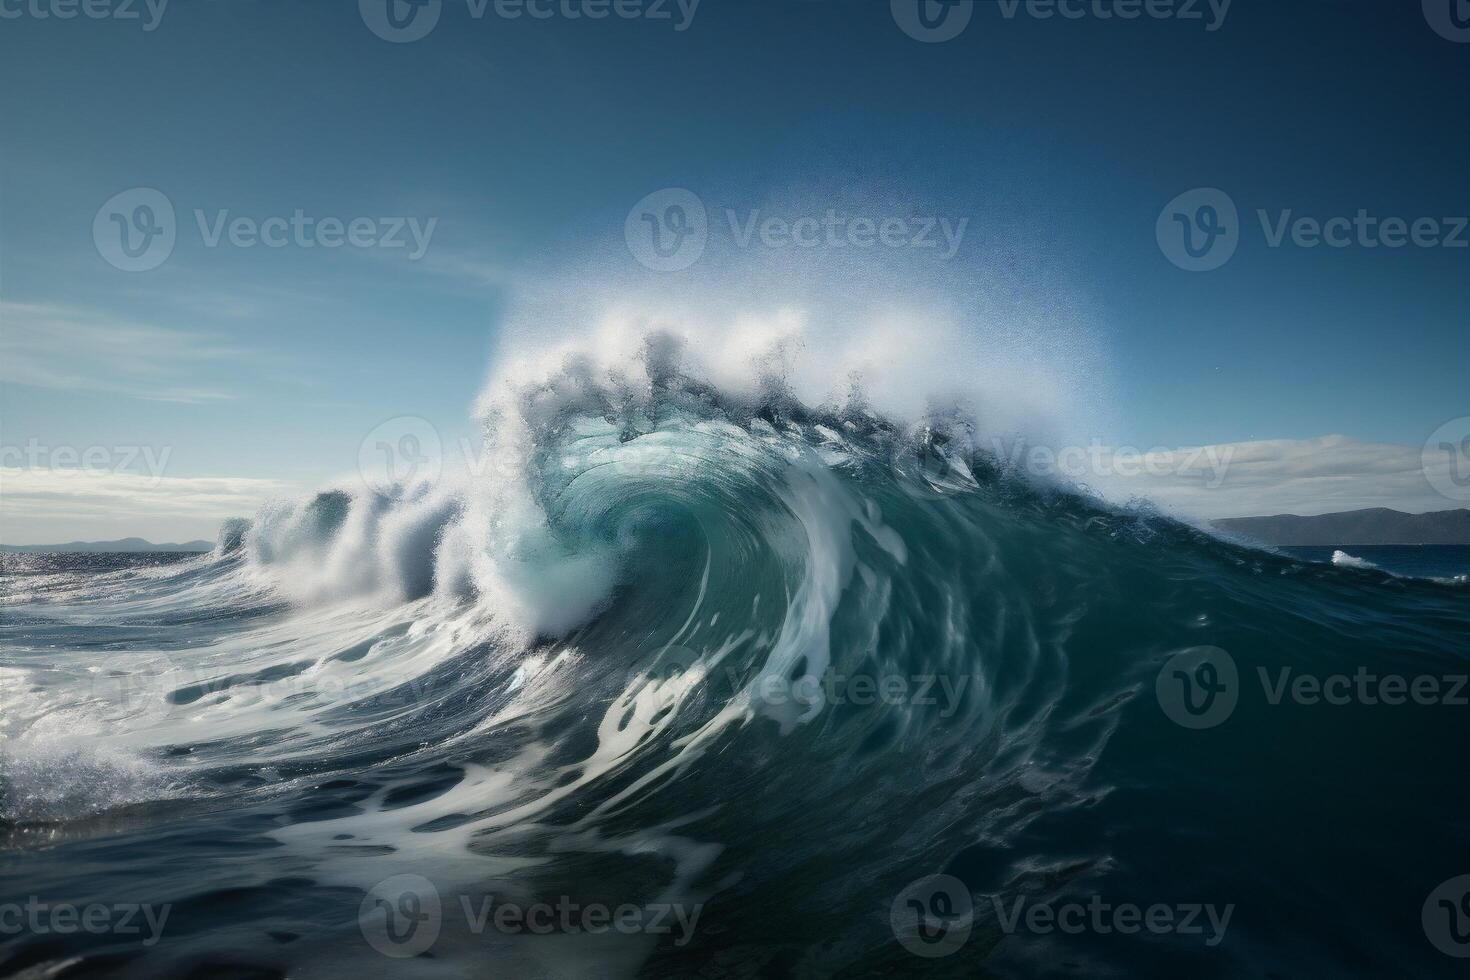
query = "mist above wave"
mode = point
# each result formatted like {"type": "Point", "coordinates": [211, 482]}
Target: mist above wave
{"type": "Point", "coordinates": [802, 340]}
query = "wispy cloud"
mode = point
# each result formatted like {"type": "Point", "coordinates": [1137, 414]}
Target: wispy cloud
{"type": "Point", "coordinates": [53, 346]}
{"type": "Point", "coordinates": [474, 267]}
{"type": "Point", "coordinates": [1282, 476]}
{"type": "Point", "coordinates": [45, 506]}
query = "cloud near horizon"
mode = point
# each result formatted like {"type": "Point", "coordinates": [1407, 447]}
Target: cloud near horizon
{"type": "Point", "coordinates": [55, 506]}
{"type": "Point", "coordinates": [1280, 476]}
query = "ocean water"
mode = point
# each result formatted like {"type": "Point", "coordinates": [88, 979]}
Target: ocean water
{"type": "Point", "coordinates": [1437, 561]}
{"type": "Point", "coordinates": [706, 685]}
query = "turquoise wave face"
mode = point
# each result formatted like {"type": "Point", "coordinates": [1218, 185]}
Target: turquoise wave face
{"type": "Point", "coordinates": [742, 687]}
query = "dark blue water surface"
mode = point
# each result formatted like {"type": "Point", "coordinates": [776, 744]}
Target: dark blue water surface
{"type": "Point", "coordinates": [844, 712]}
{"type": "Point", "coordinates": [1421, 560]}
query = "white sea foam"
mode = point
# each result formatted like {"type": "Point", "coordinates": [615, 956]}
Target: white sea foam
{"type": "Point", "coordinates": [1026, 364]}
{"type": "Point", "coordinates": [60, 777]}
{"type": "Point", "coordinates": [905, 340]}
{"type": "Point", "coordinates": [1345, 560]}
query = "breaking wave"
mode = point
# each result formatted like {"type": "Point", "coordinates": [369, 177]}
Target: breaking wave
{"type": "Point", "coordinates": [742, 642]}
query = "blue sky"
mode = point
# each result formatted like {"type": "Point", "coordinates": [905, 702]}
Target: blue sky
{"type": "Point", "coordinates": [528, 140]}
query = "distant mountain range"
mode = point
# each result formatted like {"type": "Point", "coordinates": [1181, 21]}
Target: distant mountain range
{"type": "Point", "coordinates": [125, 544]}
{"type": "Point", "coordinates": [1377, 525]}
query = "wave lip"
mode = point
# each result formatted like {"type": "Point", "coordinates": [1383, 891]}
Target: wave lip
{"type": "Point", "coordinates": [1342, 559]}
